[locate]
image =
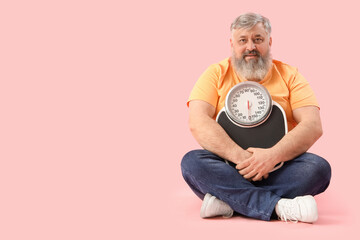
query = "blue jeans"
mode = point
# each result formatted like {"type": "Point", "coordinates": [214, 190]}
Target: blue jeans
{"type": "Point", "coordinates": [205, 172]}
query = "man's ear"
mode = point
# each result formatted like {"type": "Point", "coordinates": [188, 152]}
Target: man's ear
{"type": "Point", "coordinates": [270, 41]}
{"type": "Point", "coordinates": [231, 42]}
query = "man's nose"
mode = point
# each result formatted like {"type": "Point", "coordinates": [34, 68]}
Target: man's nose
{"type": "Point", "coordinates": [250, 45]}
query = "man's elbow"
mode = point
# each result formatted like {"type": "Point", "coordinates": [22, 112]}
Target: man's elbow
{"type": "Point", "coordinates": [314, 131]}
{"type": "Point", "coordinates": [193, 126]}
{"type": "Point", "coordinates": [318, 131]}
{"type": "Point", "coordinates": [198, 126]}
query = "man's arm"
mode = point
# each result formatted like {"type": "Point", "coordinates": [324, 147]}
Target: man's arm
{"type": "Point", "coordinates": [303, 136]}
{"type": "Point", "coordinates": [210, 135]}
{"type": "Point", "coordinates": [294, 143]}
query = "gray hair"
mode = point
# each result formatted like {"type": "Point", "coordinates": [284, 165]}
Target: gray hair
{"type": "Point", "coordinates": [249, 20]}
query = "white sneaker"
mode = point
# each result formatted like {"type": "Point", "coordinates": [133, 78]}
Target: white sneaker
{"type": "Point", "coordinates": [302, 209]}
{"type": "Point", "coordinates": [212, 207]}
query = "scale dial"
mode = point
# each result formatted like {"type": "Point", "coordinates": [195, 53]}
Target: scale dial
{"type": "Point", "coordinates": [248, 104]}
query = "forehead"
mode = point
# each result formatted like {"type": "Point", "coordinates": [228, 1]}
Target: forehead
{"type": "Point", "coordinates": [257, 30]}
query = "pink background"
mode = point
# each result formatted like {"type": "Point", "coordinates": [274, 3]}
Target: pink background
{"type": "Point", "coordinates": [94, 121]}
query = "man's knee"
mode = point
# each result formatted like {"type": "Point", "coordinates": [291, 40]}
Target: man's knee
{"type": "Point", "coordinates": [319, 165]}
{"type": "Point", "coordinates": [190, 160]}
{"type": "Point", "coordinates": [198, 162]}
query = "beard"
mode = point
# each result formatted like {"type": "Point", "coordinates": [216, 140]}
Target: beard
{"type": "Point", "coordinates": [253, 69]}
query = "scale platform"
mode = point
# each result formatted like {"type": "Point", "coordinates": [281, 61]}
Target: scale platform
{"type": "Point", "coordinates": [264, 135]}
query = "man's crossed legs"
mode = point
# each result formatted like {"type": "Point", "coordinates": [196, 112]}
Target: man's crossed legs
{"type": "Point", "coordinates": [287, 192]}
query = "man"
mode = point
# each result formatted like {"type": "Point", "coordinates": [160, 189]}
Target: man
{"type": "Point", "coordinates": [250, 189]}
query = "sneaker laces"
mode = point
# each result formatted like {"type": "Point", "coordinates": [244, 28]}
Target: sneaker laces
{"type": "Point", "coordinates": [289, 211]}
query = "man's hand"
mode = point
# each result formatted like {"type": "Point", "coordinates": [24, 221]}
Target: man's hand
{"type": "Point", "coordinates": [242, 156]}
{"type": "Point", "coordinates": [258, 165]}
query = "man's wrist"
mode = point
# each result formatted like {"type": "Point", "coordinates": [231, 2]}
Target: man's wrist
{"type": "Point", "coordinates": [238, 155]}
{"type": "Point", "coordinates": [277, 155]}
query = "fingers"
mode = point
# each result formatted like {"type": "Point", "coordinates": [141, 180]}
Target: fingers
{"type": "Point", "coordinates": [245, 163]}
{"type": "Point", "coordinates": [242, 165]}
{"type": "Point", "coordinates": [252, 174]}
{"type": "Point", "coordinates": [252, 170]}
{"type": "Point", "coordinates": [246, 169]}
{"type": "Point", "coordinates": [258, 177]}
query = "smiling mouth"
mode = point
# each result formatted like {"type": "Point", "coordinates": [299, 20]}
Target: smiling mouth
{"type": "Point", "coordinates": [251, 57]}
{"type": "Point", "coordinates": [251, 54]}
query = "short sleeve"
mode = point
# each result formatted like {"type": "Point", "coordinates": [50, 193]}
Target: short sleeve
{"type": "Point", "coordinates": [301, 94]}
{"type": "Point", "coordinates": [206, 86]}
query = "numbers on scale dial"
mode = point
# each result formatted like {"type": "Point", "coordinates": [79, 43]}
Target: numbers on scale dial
{"type": "Point", "coordinates": [248, 104]}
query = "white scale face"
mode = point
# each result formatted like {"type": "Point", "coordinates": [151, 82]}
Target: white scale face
{"type": "Point", "coordinates": [248, 104]}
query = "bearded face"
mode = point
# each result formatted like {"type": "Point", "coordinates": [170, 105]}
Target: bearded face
{"type": "Point", "coordinates": [251, 56]}
{"type": "Point", "coordinates": [255, 68]}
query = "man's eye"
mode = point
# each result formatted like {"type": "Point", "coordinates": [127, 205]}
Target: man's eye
{"type": "Point", "coordinates": [258, 40]}
{"type": "Point", "coordinates": [242, 41]}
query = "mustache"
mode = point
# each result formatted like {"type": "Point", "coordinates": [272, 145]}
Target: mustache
{"type": "Point", "coordinates": [252, 52]}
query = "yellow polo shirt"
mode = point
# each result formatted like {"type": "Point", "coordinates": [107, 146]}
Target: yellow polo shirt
{"type": "Point", "coordinates": [284, 83]}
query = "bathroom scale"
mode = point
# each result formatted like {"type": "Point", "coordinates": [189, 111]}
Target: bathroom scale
{"type": "Point", "coordinates": [251, 118]}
